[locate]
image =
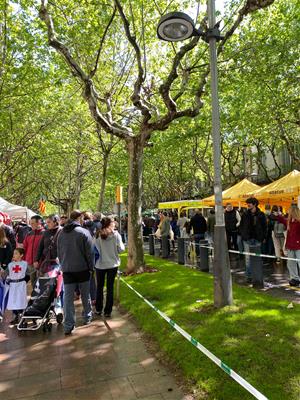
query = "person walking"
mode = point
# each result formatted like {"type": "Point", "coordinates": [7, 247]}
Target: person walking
{"type": "Point", "coordinates": [253, 229]}
{"type": "Point", "coordinates": [31, 245]}
{"type": "Point", "coordinates": [76, 256]}
{"type": "Point", "coordinates": [109, 245]}
{"type": "Point", "coordinates": [292, 244]}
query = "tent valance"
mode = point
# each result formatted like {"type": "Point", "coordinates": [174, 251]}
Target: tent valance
{"type": "Point", "coordinates": [236, 194]}
{"type": "Point", "coordinates": [14, 211]}
{"type": "Point", "coordinates": [281, 192]}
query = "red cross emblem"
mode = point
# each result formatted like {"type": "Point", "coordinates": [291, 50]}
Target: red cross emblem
{"type": "Point", "coordinates": [17, 269]}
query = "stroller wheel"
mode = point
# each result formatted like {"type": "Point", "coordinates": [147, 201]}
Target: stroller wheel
{"type": "Point", "coordinates": [49, 327]}
{"type": "Point", "coordinates": [23, 324]}
{"type": "Point", "coordinates": [45, 327]}
{"type": "Point", "coordinates": [59, 318]}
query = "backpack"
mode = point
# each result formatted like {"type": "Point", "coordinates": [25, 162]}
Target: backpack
{"type": "Point", "coordinates": [279, 229]}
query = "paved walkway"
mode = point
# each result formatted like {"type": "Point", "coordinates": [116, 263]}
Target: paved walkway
{"type": "Point", "coordinates": [106, 360]}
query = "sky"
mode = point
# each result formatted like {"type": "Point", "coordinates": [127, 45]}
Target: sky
{"type": "Point", "coordinates": [193, 10]}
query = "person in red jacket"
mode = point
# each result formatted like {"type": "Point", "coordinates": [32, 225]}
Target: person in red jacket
{"type": "Point", "coordinates": [292, 244]}
{"type": "Point", "coordinates": [31, 245]}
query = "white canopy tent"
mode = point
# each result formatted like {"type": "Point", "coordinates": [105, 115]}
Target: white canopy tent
{"type": "Point", "coordinates": [15, 212]}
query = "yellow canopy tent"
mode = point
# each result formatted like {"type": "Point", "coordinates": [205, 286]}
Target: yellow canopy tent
{"type": "Point", "coordinates": [282, 192]}
{"type": "Point", "coordinates": [182, 205]}
{"type": "Point", "coordinates": [236, 194]}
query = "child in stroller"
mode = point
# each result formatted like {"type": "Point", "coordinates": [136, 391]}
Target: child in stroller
{"type": "Point", "coordinates": [42, 306]}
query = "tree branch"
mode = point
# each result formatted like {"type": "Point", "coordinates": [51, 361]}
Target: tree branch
{"type": "Point", "coordinates": [90, 92]}
{"type": "Point", "coordinates": [92, 73]}
{"type": "Point", "coordinates": [136, 97]}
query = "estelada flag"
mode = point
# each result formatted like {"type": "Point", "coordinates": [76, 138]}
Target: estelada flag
{"type": "Point", "coordinates": [42, 206]}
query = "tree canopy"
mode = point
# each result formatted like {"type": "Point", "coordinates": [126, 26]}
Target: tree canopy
{"type": "Point", "coordinates": [50, 145]}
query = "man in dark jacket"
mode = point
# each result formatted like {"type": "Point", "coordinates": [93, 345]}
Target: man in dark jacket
{"type": "Point", "coordinates": [232, 222]}
{"type": "Point", "coordinates": [75, 253]}
{"type": "Point", "coordinates": [253, 229]}
{"type": "Point", "coordinates": [199, 225]}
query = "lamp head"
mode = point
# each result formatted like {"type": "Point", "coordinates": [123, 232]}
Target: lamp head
{"type": "Point", "coordinates": [176, 26]}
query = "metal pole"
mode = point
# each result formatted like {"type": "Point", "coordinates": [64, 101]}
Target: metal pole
{"type": "Point", "coordinates": [119, 217]}
{"type": "Point", "coordinates": [222, 275]}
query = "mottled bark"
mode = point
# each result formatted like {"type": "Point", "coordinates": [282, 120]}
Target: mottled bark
{"type": "Point", "coordinates": [135, 234]}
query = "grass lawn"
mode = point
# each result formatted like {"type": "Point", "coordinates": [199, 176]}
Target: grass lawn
{"type": "Point", "coordinates": [258, 337]}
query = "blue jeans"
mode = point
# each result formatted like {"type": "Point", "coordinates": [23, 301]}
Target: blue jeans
{"type": "Point", "coordinates": [69, 309]}
{"type": "Point", "coordinates": [247, 244]}
{"type": "Point", "coordinates": [293, 266]}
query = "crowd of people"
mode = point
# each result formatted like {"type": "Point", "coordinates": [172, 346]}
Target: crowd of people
{"type": "Point", "coordinates": [84, 248]}
{"type": "Point", "coordinates": [274, 232]}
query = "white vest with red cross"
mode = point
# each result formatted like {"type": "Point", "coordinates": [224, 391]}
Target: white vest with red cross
{"type": "Point", "coordinates": [16, 285]}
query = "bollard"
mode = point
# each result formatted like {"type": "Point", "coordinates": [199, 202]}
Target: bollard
{"type": "Point", "coordinates": [165, 246]}
{"type": "Point", "coordinates": [181, 250]}
{"type": "Point", "coordinates": [151, 245]}
{"type": "Point", "coordinates": [256, 264]}
{"type": "Point", "coordinates": [203, 264]}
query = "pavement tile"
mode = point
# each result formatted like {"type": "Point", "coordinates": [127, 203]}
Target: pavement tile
{"type": "Point", "coordinates": [106, 360]}
{"type": "Point", "coordinates": [121, 388]}
{"type": "Point", "coordinates": [72, 378]}
{"type": "Point", "coordinates": [9, 370]}
{"type": "Point", "coordinates": [29, 368]}
{"type": "Point", "coordinates": [161, 384]}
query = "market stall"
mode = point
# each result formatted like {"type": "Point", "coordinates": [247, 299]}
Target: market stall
{"type": "Point", "coordinates": [282, 192]}
{"type": "Point", "coordinates": [15, 212]}
{"type": "Point", "coordinates": [236, 194]}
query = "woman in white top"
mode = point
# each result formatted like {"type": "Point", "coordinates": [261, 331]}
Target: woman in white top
{"type": "Point", "coordinates": [109, 244]}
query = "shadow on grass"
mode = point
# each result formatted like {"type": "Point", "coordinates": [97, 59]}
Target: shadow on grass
{"type": "Point", "coordinates": [258, 336]}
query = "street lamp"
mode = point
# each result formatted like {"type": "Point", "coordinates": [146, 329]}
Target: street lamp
{"type": "Point", "coordinates": [178, 26]}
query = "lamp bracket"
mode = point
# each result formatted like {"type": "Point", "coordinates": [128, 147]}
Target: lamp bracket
{"type": "Point", "coordinates": [213, 33]}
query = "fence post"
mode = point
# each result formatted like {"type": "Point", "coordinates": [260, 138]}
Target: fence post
{"type": "Point", "coordinates": [181, 250]}
{"type": "Point", "coordinates": [165, 246]}
{"type": "Point", "coordinates": [203, 253]}
{"type": "Point", "coordinates": [151, 245]}
{"type": "Point", "coordinates": [257, 267]}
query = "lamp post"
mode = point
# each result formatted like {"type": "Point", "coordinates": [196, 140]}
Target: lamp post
{"type": "Point", "coordinates": [179, 26]}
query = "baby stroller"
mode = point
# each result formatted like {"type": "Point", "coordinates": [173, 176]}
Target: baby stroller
{"type": "Point", "coordinates": [41, 306]}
